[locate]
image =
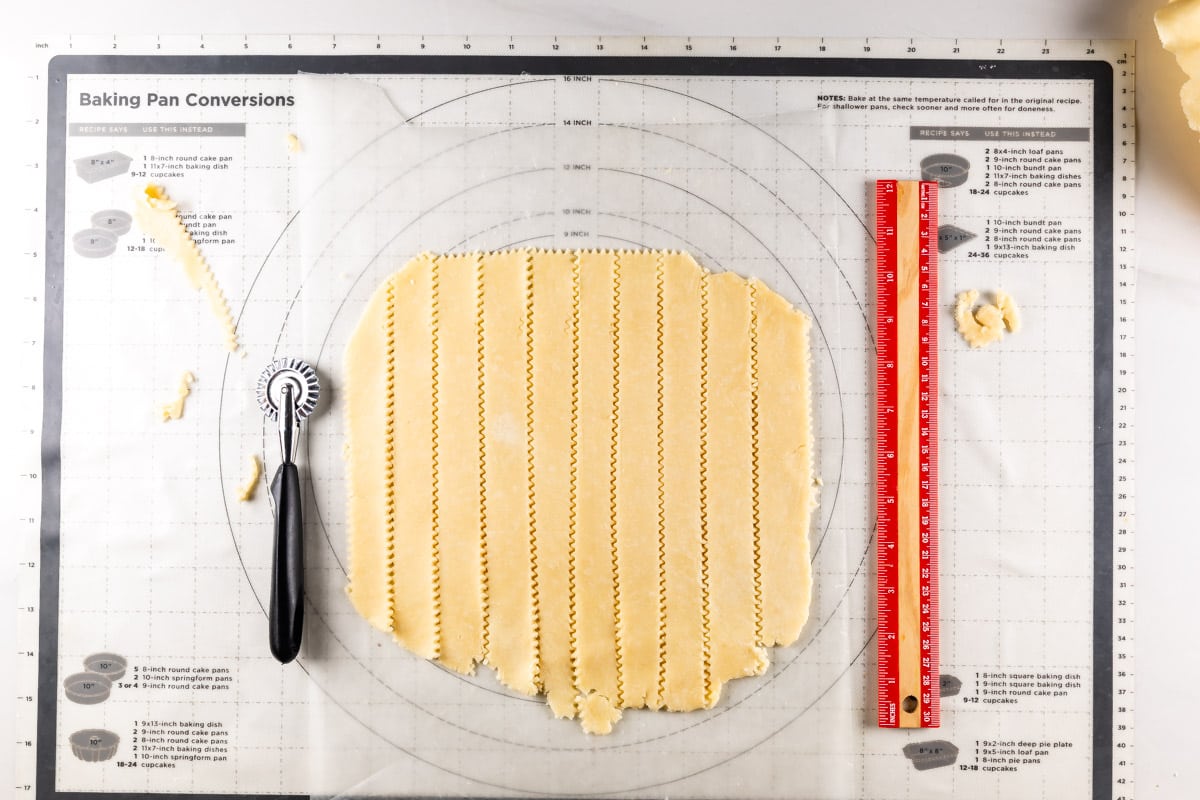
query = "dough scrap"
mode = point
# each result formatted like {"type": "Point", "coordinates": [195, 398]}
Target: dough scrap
{"type": "Point", "coordinates": [246, 490]}
{"type": "Point", "coordinates": [292, 141]}
{"type": "Point", "coordinates": [985, 324]}
{"type": "Point", "coordinates": [1179, 29]}
{"type": "Point", "coordinates": [1008, 311]}
{"type": "Point", "coordinates": [597, 714]}
{"type": "Point", "coordinates": [174, 409]}
{"type": "Point", "coordinates": [590, 470]}
{"type": "Point", "coordinates": [158, 216]}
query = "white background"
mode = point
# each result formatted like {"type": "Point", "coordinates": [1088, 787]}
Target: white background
{"type": "Point", "coordinates": [1168, 243]}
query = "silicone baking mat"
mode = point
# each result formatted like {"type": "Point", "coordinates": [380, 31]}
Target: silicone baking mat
{"type": "Point", "coordinates": [148, 671]}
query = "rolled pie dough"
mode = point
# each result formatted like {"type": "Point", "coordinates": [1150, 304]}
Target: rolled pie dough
{"type": "Point", "coordinates": [589, 470]}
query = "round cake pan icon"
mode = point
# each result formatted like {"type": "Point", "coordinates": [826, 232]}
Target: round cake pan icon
{"type": "Point", "coordinates": [948, 169]}
{"type": "Point", "coordinates": [113, 220]}
{"type": "Point", "coordinates": [87, 688]}
{"type": "Point", "coordinates": [110, 665]}
{"type": "Point", "coordinates": [94, 744]}
{"type": "Point", "coordinates": [94, 243]}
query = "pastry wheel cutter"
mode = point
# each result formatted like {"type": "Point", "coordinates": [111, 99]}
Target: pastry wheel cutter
{"type": "Point", "coordinates": [287, 392]}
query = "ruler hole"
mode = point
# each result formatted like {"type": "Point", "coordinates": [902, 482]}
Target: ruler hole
{"type": "Point", "coordinates": [909, 704]}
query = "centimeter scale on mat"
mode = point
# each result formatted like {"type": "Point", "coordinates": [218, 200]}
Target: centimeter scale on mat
{"type": "Point", "coordinates": [25, 304]}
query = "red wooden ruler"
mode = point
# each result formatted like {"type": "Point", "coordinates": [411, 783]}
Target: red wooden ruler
{"type": "Point", "coordinates": [906, 452]}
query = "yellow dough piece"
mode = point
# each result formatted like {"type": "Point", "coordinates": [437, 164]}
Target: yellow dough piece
{"type": "Point", "coordinates": [785, 449]}
{"type": "Point", "coordinates": [590, 470]}
{"type": "Point", "coordinates": [985, 324]}
{"type": "Point", "coordinates": [246, 490]}
{"type": "Point", "coordinates": [597, 714]}
{"type": "Point", "coordinates": [1179, 29]}
{"type": "Point", "coordinates": [292, 141]}
{"type": "Point", "coordinates": [596, 644]}
{"type": "Point", "coordinates": [174, 409]}
{"type": "Point", "coordinates": [460, 486]}
{"type": "Point", "coordinates": [732, 533]}
{"type": "Point", "coordinates": [158, 216]}
{"type": "Point", "coordinates": [685, 669]}
{"type": "Point", "coordinates": [509, 627]}
{"type": "Point", "coordinates": [1008, 311]}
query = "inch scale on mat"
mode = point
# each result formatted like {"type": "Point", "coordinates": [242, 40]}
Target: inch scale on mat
{"type": "Point", "coordinates": [906, 452]}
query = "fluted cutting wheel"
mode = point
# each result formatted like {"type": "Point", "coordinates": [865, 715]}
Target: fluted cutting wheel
{"type": "Point", "coordinates": [303, 380]}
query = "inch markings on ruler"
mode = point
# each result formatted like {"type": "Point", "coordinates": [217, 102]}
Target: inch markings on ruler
{"type": "Point", "coordinates": [906, 452]}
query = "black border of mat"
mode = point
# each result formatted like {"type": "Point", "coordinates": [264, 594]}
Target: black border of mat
{"type": "Point", "coordinates": [60, 67]}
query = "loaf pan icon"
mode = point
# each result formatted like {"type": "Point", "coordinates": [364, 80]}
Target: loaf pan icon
{"type": "Point", "coordinates": [102, 165]}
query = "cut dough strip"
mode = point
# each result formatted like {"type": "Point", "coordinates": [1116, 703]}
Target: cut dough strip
{"type": "Point", "coordinates": [530, 487]}
{"type": "Point", "coordinates": [389, 442]}
{"type": "Point", "coordinates": [709, 695]}
{"type": "Point", "coordinates": [755, 510]}
{"type": "Point", "coordinates": [734, 650]}
{"type": "Point", "coordinates": [553, 463]}
{"type": "Point", "coordinates": [509, 617]}
{"type": "Point", "coordinates": [435, 456]}
{"type": "Point", "coordinates": [158, 215]}
{"type": "Point", "coordinates": [481, 405]}
{"type": "Point", "coordinates": [683, 393]}
{"type": "Point", "coordinates": [785, 423]}
{"type": "Point", "coordinates": [596, 635]}
{"type": "Point", "coordinates": [660, 506]}
{"type": "Point", "coordinates": [613, 477]}
{"type": "Point", "coordinates": [635, 481]}
{"type": "Point", "coordinates": [573, 500]}
{"type": "Point", "coordinates": [460, 545]}
{"type": "Point", "coordinates": [410, 458]}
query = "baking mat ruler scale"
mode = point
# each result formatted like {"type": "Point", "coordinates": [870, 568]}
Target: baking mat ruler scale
{"type": "Point", "coordinates": [754, 155]}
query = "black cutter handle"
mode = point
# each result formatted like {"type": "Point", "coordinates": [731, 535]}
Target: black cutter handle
{"type": "Point", "coordinates": [287, 569]}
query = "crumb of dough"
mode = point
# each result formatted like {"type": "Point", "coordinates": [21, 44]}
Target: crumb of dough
{"type": "Point", "coordinates": [1008, 311]}
{"type": "Point", "coordinates": [1179, 29]}
{"type": "Point", "coordinates": [591, 471]}
{"type": "Point", "coordinates": [982, 325]}
{"type": "Point", "coordinates": [174, 409]}
{"type": "Point", "coordinates": [246, 490]}
{"type": "Point", "coordinates": [597, 714]}
{"type": "Point", "coordinates": [158, 216]}
{"type": "Point", "coordinates": [990, 318]}
{"type": "Point", "coordinates": [293, 143]}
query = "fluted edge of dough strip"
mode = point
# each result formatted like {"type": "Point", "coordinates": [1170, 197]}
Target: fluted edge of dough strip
{"type": "Point", "coordinates": [531, 485]}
